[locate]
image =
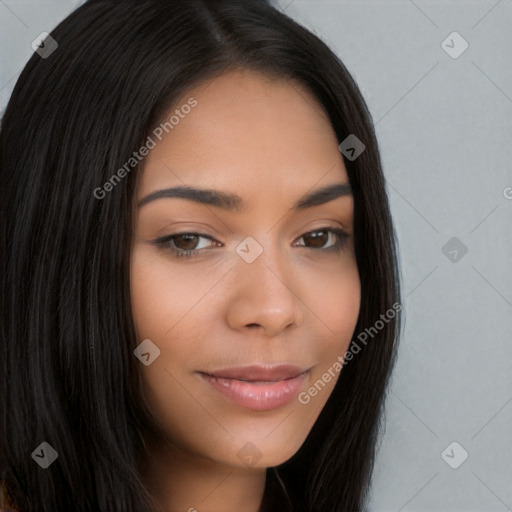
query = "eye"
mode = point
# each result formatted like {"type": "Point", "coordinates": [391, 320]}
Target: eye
{"type": "Point", "coordinates": [335, 238]}
{"type": "Point", "coordinates": [183, 245]}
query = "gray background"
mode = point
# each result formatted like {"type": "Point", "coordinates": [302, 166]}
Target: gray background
{"type": "Point", "coordinates": [445, 129]}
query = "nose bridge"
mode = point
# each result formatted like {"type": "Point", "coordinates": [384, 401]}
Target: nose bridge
{"type": "Point", "coordinates": [263, 263]}
{"type": "Point", "coordinates": [264, 291]}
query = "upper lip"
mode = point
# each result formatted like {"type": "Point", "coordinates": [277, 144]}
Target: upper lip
{"type": "Point", "coordinates": [259, 372]}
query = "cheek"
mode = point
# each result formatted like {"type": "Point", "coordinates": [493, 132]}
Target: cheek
{"type": "Point", "coordinates": [337, 307]}
{"type": "Point", "coordinates": [335, 303]}
{"type": "Point", "coordinates": [334, 300]}
{"type": "Point", "coordinates": [145, 288]}
{"type": "Point", "coordinates": [161, 298]}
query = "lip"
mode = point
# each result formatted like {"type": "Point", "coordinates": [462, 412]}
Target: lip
{"type": "Point", "coordinates": [258, 387]}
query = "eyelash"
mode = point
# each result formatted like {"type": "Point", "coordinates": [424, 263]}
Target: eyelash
{"type": "Point", "coordinates": [164, 242]}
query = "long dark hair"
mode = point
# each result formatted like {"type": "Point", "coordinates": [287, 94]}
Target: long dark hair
{"type": "Point", "coordinates": [67, 337]}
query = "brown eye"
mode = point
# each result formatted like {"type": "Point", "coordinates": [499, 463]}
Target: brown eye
{"type": "Point", "coordinates": [186, 244]}
{"type": "Point", "coordinates": [185, 241]}
{"type": "Point", "coordinates": [316, 239]}
{"type": "Point", "coordinates": [327, 239]}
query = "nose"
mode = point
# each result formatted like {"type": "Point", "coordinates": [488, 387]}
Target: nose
{"type": "Point", "coordinates": [264, 295]}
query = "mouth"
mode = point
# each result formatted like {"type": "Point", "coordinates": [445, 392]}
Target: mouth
{"type": "Point", "coordinates": [256, 387]}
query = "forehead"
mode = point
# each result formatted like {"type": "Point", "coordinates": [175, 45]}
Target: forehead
{"type": "Point", "coordinates": [247, 131]}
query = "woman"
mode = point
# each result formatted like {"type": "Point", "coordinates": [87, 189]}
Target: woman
{"type": "Point", "coordinates": [200, 294]}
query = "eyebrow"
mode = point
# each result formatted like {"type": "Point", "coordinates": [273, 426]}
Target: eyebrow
{"type": "Point", "coordinates": [234, 203]}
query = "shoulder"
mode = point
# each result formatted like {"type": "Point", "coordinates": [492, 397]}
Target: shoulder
{"type": "Point", "coordinates": [6, 505]}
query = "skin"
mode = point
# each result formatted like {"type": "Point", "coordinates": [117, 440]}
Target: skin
{"type": "Point", "coordinates": [270, 142]}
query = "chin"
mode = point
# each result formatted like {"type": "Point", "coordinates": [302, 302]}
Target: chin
{"type": "Point", "coordinates": [265, 450]}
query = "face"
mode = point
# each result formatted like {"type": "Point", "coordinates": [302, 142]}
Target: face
{"type": "Point", "coordinates": [251, 291]}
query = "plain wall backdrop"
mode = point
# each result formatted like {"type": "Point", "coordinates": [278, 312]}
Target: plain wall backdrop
{"type": "Point", "coordinates": [437, 77]}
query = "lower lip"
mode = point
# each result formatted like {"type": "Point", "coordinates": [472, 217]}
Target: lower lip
{"type": "Point", "coordinates": [259, 397]}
